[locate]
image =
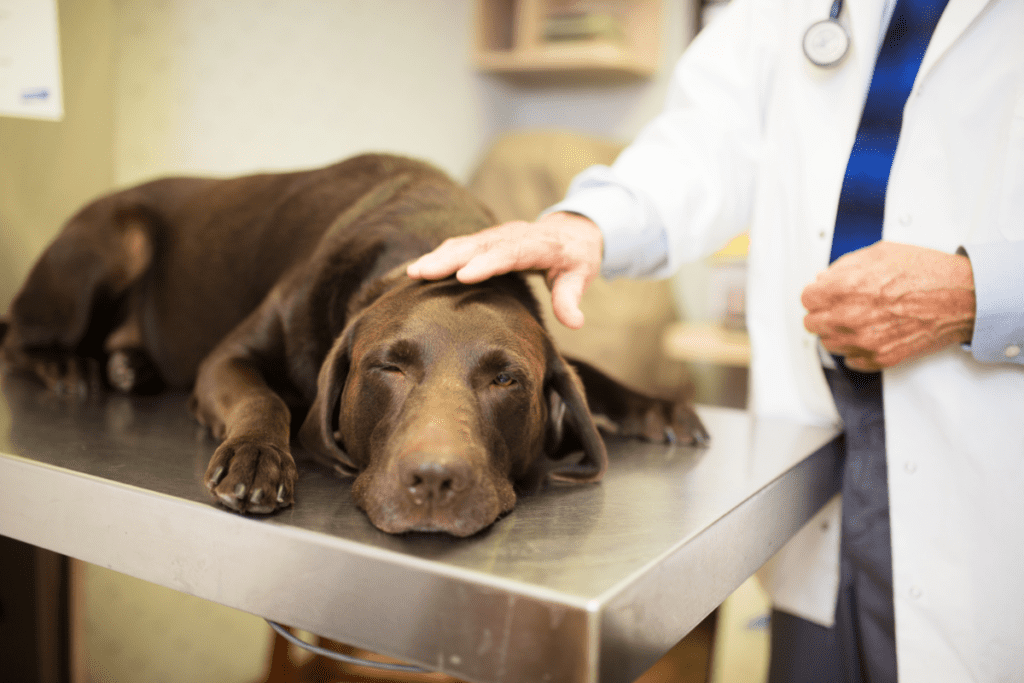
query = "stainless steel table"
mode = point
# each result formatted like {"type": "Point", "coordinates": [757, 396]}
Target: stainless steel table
{"type": "Point", "coordinates": [577, 584]}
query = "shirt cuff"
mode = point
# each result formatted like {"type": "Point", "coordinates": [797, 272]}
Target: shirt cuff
{"type": "Point", "coordinates": [998, 269]}
{"type": "Point", "coordinates": [635, 243]}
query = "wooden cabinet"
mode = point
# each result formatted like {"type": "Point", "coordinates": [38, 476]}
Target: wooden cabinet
{"type": "Point", "coordinates": [569, 40]}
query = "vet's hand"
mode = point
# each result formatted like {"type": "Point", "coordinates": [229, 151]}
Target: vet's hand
{"type": "Point", "coordinates": [566, 247]}
{"type": "Point", "coordinates": [888, 302]}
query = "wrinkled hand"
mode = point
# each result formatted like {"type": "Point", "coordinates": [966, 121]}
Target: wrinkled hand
{"type": "Point", "coordinates": [889, 302]}
{"type": "Point", "coordinates": [566, 247]}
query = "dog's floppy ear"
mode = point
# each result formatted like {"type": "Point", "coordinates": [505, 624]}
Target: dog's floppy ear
{"type": "Point", "coordinates": [319, 432]}
{"type": "Point", "coordinates": [570, 425]}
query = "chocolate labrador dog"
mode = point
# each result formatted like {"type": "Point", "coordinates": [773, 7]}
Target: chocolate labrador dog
{"type": "Point", "coordinates": [282, 295]}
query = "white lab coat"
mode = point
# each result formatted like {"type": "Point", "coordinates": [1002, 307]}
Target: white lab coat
{"type": "Point", "coordinates": [755, 135]}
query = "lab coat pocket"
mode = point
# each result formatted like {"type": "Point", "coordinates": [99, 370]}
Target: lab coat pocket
{"type": "Point", "coordinates": [1011, 213]}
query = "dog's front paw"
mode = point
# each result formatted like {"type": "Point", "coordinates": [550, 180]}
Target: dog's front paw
{"type": "Point", "coordinates": [248, 475]}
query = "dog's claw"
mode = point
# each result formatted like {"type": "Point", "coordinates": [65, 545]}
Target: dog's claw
{"type": "Point", "coordinates": [218, 475]}
{"type": "Point", "coordinates": [670, 435]}
{"type": "Point", "coordinates": [257, 505]}
{"type": "Point", "coordinates": [240, 491]}
{"type": "Point", "coordinates": [228, 500]}
{"type": "Point", "coordinates": [280, 494]}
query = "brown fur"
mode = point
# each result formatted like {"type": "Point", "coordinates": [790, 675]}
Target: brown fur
{"type": "Point", "coordinates": [284, 294]}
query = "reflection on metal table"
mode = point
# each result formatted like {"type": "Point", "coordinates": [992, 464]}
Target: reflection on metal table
{"type": "Point", "coordinates": [577, 584]}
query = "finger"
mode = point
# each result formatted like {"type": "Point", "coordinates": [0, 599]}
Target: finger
{"type": "Point", "coordinates": [830, 287]}
{"type": "Point", "coordinates": [509, 250]}
{"type": "Point", "coordinates": [814, 324]}
{"type": "Point", "coordinates": [497, 260]}
{"type": "Point", "coordinates": [824, 293]}
{"type": "Point", "coordinates": [566, 293]}
{"type": "Point", "coordinates": [862, 364]}
{"type": "Point", "coordinates": [840, 346]}
{"type": "Point", "coordinates": [452, 255]}
{"type": "Point", "coordinates": [812, 298]}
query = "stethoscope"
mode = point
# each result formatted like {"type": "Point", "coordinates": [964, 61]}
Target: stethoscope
{"type": "Point", "coordinates": [826, 42]}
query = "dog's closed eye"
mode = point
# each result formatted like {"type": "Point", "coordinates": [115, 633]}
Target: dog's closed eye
{"type": "Point", "coordinates": [504, 379]}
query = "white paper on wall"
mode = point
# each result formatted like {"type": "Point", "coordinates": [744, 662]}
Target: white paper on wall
{"type": "Point", "coordinates": [30, 83]}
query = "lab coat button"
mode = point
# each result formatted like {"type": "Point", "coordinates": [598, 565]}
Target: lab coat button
{"type": "Point", "coordinates": [910, 467]}
{"type": "Point", "coordinates": [1012, 351]}
{"type": "Point", "coordinates": [906, 219]}
{"type": "Point", "coordinates": [915, 592]}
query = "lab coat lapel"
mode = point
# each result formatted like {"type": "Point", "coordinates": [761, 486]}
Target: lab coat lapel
{"type": "Point", "coordinates": [957, 17]}
{"type": "Point", "coordinates": [865, 29]}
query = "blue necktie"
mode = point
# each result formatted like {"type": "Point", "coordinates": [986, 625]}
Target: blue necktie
{"type": "Point", "coordinates": [862, 199]}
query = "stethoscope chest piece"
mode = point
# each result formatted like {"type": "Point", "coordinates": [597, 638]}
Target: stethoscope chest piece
{"type": "Point", "coordinates": [826, 42]}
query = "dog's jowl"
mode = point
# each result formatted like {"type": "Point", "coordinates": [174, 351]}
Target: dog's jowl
{"type": "Point", "coordinates": [282, 301]}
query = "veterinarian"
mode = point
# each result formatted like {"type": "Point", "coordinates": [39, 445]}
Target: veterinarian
{"type": "Point", "coordinates": [875, 150]}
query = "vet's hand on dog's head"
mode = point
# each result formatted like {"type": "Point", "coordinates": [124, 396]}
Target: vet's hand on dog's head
{"type": "Point", "coordinates": [566, 247]}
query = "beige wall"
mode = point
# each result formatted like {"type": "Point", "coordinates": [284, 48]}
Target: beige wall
{"type": "Point", "coordinates": [228, 86]}
{"type": "Point", "coordinates": [48, 169]}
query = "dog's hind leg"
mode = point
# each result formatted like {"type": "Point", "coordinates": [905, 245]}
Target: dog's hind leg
{"type": "Point", "coordinates": [622, 411]}
{"type": "Point", "coordinates": [60, 320]}
{"type": "Point", "coordinates": [129, 367]}
{"type": "Point", "coordinates": [130, 370]}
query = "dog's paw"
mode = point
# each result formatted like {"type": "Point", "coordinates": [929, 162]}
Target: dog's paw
{"type": "Point", "coordinates": [251, 476]}
{"type": "Point", "coordinates": [673, 422]}
{"type": "Point", "coordinates": [686, 427]}
{"type": "Point", "coordinates": [61, 372]}
{"type": "Point", "coordinates": [131, 371]}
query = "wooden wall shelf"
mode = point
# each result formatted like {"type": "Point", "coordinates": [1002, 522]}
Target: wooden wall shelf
{"type": "Point", "coordinates": [600, 39]}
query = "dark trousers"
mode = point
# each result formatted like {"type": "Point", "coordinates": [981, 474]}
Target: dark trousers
{"type": "Point", "coordinates": [861, 647]}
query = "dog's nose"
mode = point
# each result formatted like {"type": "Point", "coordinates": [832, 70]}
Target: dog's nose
{"type": "Point", "coordinates": [439, 482]}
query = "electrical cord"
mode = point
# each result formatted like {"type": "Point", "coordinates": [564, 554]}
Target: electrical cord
{"type": "Point", "coordinates": [337, 656]}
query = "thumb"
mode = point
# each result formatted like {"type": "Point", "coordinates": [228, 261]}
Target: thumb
{"type": "Point", "coordinates": [566, 293]}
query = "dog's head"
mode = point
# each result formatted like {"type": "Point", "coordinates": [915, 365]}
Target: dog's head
{"type": "Point", "coordinates": [439, 397]}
